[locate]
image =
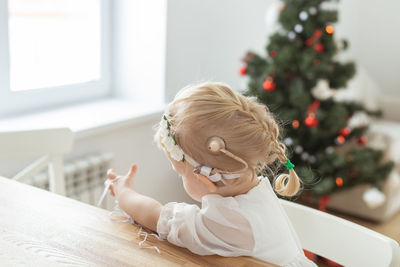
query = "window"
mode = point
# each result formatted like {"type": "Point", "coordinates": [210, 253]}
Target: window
{"type": "Point", "coordinates": [52, 52]}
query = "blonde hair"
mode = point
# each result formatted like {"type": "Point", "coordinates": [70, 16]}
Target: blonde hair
{"type": "Point", "coordinates": [247, 127]}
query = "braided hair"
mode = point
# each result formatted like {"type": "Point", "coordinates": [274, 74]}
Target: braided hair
{"type": "Point", "coordinates": [248, 128]}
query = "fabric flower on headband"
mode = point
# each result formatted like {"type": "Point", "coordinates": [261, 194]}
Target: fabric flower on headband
{"type": "Point", "coordinates": [169, 140]}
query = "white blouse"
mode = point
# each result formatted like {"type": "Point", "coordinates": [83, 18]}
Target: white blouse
{"type": "Point", "coordinates": [253, 224]}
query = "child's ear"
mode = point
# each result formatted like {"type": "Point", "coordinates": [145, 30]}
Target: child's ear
{"type": "Point", "coordinates": [210, 185]}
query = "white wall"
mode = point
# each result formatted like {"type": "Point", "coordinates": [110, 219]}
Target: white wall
{"type": "Point", "coordinates": [376, 39]}
{"type": "Point", "coordinates": [372, 26]}
{"type": "Point", "coordinates": [207, 38]}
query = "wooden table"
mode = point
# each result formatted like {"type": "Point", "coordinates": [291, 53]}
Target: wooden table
{"type": "Point", "coordinates": [39, 228]}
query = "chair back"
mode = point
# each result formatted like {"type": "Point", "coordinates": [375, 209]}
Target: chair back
{"type": "Point", "coordinates": [49, 144]}
{"type": "Point", "coordinates": [344, 242]}
{"type": "Point", "coordinates": [35, 142]}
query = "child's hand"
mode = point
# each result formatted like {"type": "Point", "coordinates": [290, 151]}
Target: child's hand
{"type": "Point", "coordinates": [119, 183]}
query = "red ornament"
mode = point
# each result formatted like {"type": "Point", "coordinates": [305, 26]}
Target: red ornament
{"type": "Point", "coordinates": [319, 47]}
{"type": "Point", "coordinates": [345, 131]}
{"type": "Point", "coordinates": [311, 121]}
{"type": "Point", "coordinates": [339, 181]}
{"type": "Point", "coordinates": [273, 53]}
{"type": "Point", "coordinates": [317, 33]}
{"type": "Point", "coordinates": [295, 124]}
{"type": "Point", "coordinates": [362, 140]}
{"type": "Point", "coordinates": [309, 42]}
{"type": "Point", "coordinates": [340, 140]}
{"type": "Point", "coordinates": [269, 85]}
{"type": "Point", "coordinates": [329, 29]}
{"type": "Point", "coordinates": [243, 71]}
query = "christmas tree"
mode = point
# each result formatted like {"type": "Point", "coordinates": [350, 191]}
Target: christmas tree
{"type": "Point", "coordinates": [298, 80]}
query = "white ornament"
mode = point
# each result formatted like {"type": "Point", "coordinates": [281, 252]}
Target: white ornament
{"type": "Point", "coordinates": [322, 91]}
{"type": "Point", "coordinates": [358, 119]}
{"type": "Point", "coordinates": [373, 198]}
{"type": "Point", "coordinates": [288, 141]}
{"type": "Point", "coordinates": [298, 149]}
{"type": "Point", "coordinates": [312, 10]}
{"type": "Point", "coordinates": [303, 16]}
{"type": "Point", "coordinates": [312, 159]}
{"type": "Point", "coordinates": [291, 35]}
{"type": "Point", "coordinates": [329, 150]}
{"type": "Point", "coordinates": [298, 28]}
{"type": "Point", "coordinates": [304, 156]}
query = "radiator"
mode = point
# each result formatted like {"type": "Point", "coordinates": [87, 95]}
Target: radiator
{"type": "Point", "coordinates": [84, 179]}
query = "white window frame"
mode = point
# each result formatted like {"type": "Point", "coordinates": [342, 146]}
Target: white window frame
{"type": "Point", "coordinates": [12, 102]}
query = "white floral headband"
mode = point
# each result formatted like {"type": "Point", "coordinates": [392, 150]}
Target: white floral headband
{"type": "Point", "coordinates": [168, 139]}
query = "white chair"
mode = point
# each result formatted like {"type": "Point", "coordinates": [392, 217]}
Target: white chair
{"type": "Point", "coordinates": [339, 240]}
{"type": "Point", "coordinates": [50, 144]}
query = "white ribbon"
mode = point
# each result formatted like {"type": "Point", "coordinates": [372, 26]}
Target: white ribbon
{"type": "Point", "coordinates": [107, 185]}
{"type": "Point", "coordinates": [231, 175]}
{"type": "Point", "coordinates": [117, 213]}
{"type": "Point", "coordinates": [206, 171]}
{"type": "Point", "coordinates": [145, 234]}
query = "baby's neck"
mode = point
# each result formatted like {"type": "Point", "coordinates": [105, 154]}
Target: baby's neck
{"type": "Point", "coordinates": [239, 189]}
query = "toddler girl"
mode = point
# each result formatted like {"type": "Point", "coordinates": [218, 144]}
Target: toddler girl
{"type": "Point", "coordinates": [218, 140]}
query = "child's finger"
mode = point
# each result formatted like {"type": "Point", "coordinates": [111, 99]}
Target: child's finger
{"type": "Point", "coordinates": [111, 174]}
{"type": "Point", "coordinates": [132, 171]}
{"type": "Point", "coordinates": [112, 190]}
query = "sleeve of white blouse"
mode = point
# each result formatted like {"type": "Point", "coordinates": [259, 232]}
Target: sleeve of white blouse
{"type": "Point", "coordinates": [211, 230]}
